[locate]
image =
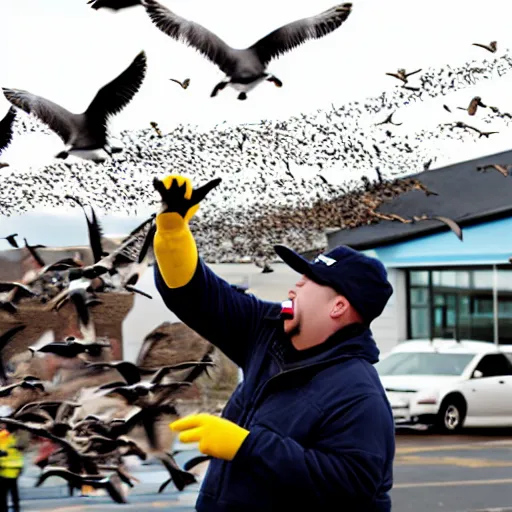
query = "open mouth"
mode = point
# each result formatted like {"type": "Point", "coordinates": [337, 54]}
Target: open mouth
{"type": "Point", "coordinates": [287, 308]}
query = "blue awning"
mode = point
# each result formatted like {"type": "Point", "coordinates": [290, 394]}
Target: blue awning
{"type": "Point", "coordinates": [483, 244]}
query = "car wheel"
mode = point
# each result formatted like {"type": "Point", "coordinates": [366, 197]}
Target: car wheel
{"type": "Point", "coordinates": [451, 415]}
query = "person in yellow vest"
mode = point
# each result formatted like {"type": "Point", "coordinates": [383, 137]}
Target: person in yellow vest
{"type": "Point", "coordinates": [11, 466]}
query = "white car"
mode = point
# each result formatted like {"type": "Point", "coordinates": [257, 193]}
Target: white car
{"type": "Point", "coordinates": [449, 384]}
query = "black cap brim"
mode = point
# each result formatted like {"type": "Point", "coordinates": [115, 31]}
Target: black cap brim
{"type": "Point", "coordinates": [301, 265]}
{"type": "Point", "coordinates": [296, 262]}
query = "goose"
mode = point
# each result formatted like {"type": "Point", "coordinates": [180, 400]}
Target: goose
{"type": "Point", "coordinates": [244, 68]}
{"type": "Point", "coordinates": [86, 133]}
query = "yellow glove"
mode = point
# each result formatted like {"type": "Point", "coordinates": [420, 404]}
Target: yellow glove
{"type": "Point", "coordinates": [217, 437]}
{"type": "Point", "coordinates": [174, 246]}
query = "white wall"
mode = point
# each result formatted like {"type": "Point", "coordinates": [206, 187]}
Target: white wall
{"type": "Point", "coordinates": [391, 327]}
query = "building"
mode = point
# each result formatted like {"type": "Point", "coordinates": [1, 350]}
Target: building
{"type": "Point", "coordinates": [445, 287]}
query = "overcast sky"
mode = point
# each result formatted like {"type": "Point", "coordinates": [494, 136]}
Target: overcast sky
{"type": "Point", "coordinates": [65, 51]}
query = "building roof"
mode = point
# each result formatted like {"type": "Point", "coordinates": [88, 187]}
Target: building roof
{"type": "Point", "coordinates": [465, 195]}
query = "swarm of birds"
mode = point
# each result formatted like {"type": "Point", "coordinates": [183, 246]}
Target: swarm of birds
{"type": "Point", "coordinates": [274, 186]}
{"type": "Point", "coordinates": [105, 410]}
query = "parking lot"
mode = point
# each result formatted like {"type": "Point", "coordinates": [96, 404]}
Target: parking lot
{"type": "Point", "coordinates": [467, 472]}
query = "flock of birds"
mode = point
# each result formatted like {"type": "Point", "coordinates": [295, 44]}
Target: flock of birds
{"type": "Point", "coordinates": [90, 448]}
{"type": "Point", "coordinates": [274, 189]}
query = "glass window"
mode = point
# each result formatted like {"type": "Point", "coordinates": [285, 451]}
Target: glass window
{"type": "Point", "coordinates": [451, 278]}
{"type": "Point", "coordinates": [419, 296]}
{"type": "Point", "coordinates": [482, 279]}
{"type": "Point", "coordinates": [423, 363]}
{"type": "Point", "coordinates": [419, 277]}
{"type": "Point", "coordinates": [462, 305]}
{"type": "Point", "coordinates": [420, 322]}
{"type": "Point", "coordinates": [444, 278]}
{"type": "Point", "coordinates": [494, 365]}
{"type": "Point", "coordinates": [505, 280]}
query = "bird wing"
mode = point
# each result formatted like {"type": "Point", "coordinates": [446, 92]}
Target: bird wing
{"type": "Point", "coordinates": [194, 461]}
{"type": "Point", "coordinates": [412, 73]}
{"type": "Point", "coordinates": [114, 96]}
{"type": "Point", "coordinates": [8, 335]}
{"type": "Point", "coordinates": [193, 34]}
{"type": "Point", "coordinates": [7, 390]}
{"type": "Point", "coordinates": [43, 432]}
{"type": "Point", "coordinates": [34, 254]}
{"type": "Point", "coordinates": [296, 33]}
{"type": "Point", "coordinates": [180, 478]}
{"type": "Point", "coordinates": [94, 229]}
{"type": "Point", "coordinates": [186, 365]}
{"type": "Point", "coordinates": [129, 371]}
{"type": "Point", "coordinates": [6, 128]}
{"type": "Point", "coordinates": [129, 395]}
{"type": "Point", "coordinates": [11, 238]}
{"type": "Point", "coordinates": [78, 298]}
{"type": "Point", "coordinates": [114, 489]}
{"type": "Point", "coordinates": [132, 248]}
{"type": "Point", "coordinates": [6, 286]}
{"type": "Point", "coordinates": [483, 46]}
{"type": "Point", "coordinates": [67, 475]}
{"type": "Point", "coordinates": [199, 370]}
{"type": "Point", "coordinates": [451, 224]}
{"type": "Point", "coordinates": [57, 118]}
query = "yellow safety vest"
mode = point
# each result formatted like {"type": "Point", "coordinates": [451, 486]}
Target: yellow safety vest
{"type": "Point", "coordinates": [12, 463]}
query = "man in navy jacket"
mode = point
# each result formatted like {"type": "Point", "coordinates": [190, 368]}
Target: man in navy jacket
{"type": "Point", "coordinates": [310, 425]}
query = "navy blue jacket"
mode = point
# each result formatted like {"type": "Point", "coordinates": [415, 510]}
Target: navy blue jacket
{"type": "Point", "coordinates": [321, 429]}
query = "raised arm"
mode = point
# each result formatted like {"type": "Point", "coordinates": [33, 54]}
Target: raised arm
{"type": "Point", "coordinates": [199, 298]}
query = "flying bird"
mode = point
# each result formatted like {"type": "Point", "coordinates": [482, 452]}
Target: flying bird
{"type": "Point", "coordinates": [24, 384]}
{"type": "Point", "coordinates": [502, 169]}
{"type": "Point", "coordinates": [85, 134]}
{"type": "Point", "coordinates": [6, 128]}
{"type": "Point", "coordinates": [12, 240]}
{"type": "Point", "coordinates": [246, 68]}
{"type": "Point", "coordinates": [417, 218]}
{"type": "Point", "coordinates": [486, 134]}
{"type": "Point", "coordinates": [491, 47]}
{"type": "Point", "coordinates": [70, 348]}
{"type": "Point", "coordinates": [183, 84]}
{"type": "Point", "coordinates": [402, 75]}
{"type": "Point", "coordinates": [155, 127]}
{"type": "Point", "coordinates": [389, 120]}
{"type": "Point", "coordinates": [94, 229]}
{"type": "Point", "coordinates": [112, 483]}
{"type": "Point", "coordinates": [473, 106]}
{"type": "Point", "coordinates": [180, 477]}
{"type": "Point", "coordinates": [447, 108]}
{"type": "Point", "coordinates": [445, 220]}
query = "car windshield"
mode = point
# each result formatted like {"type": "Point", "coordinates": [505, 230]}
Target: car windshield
{"type": "Point", "coordinates": [423, 363]}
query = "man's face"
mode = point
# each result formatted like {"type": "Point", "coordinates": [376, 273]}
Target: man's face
{"type": "Point", "coordinates": [312, 302]}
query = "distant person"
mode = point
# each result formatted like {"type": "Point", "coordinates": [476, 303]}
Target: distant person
{"type": "Point", "coordinates": [11, 466]}
{"type": "Point", "coordinates": [309, 427]}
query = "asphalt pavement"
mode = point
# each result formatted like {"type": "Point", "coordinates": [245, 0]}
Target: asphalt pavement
{"type": "Point", "coordinates": [471, 472]}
